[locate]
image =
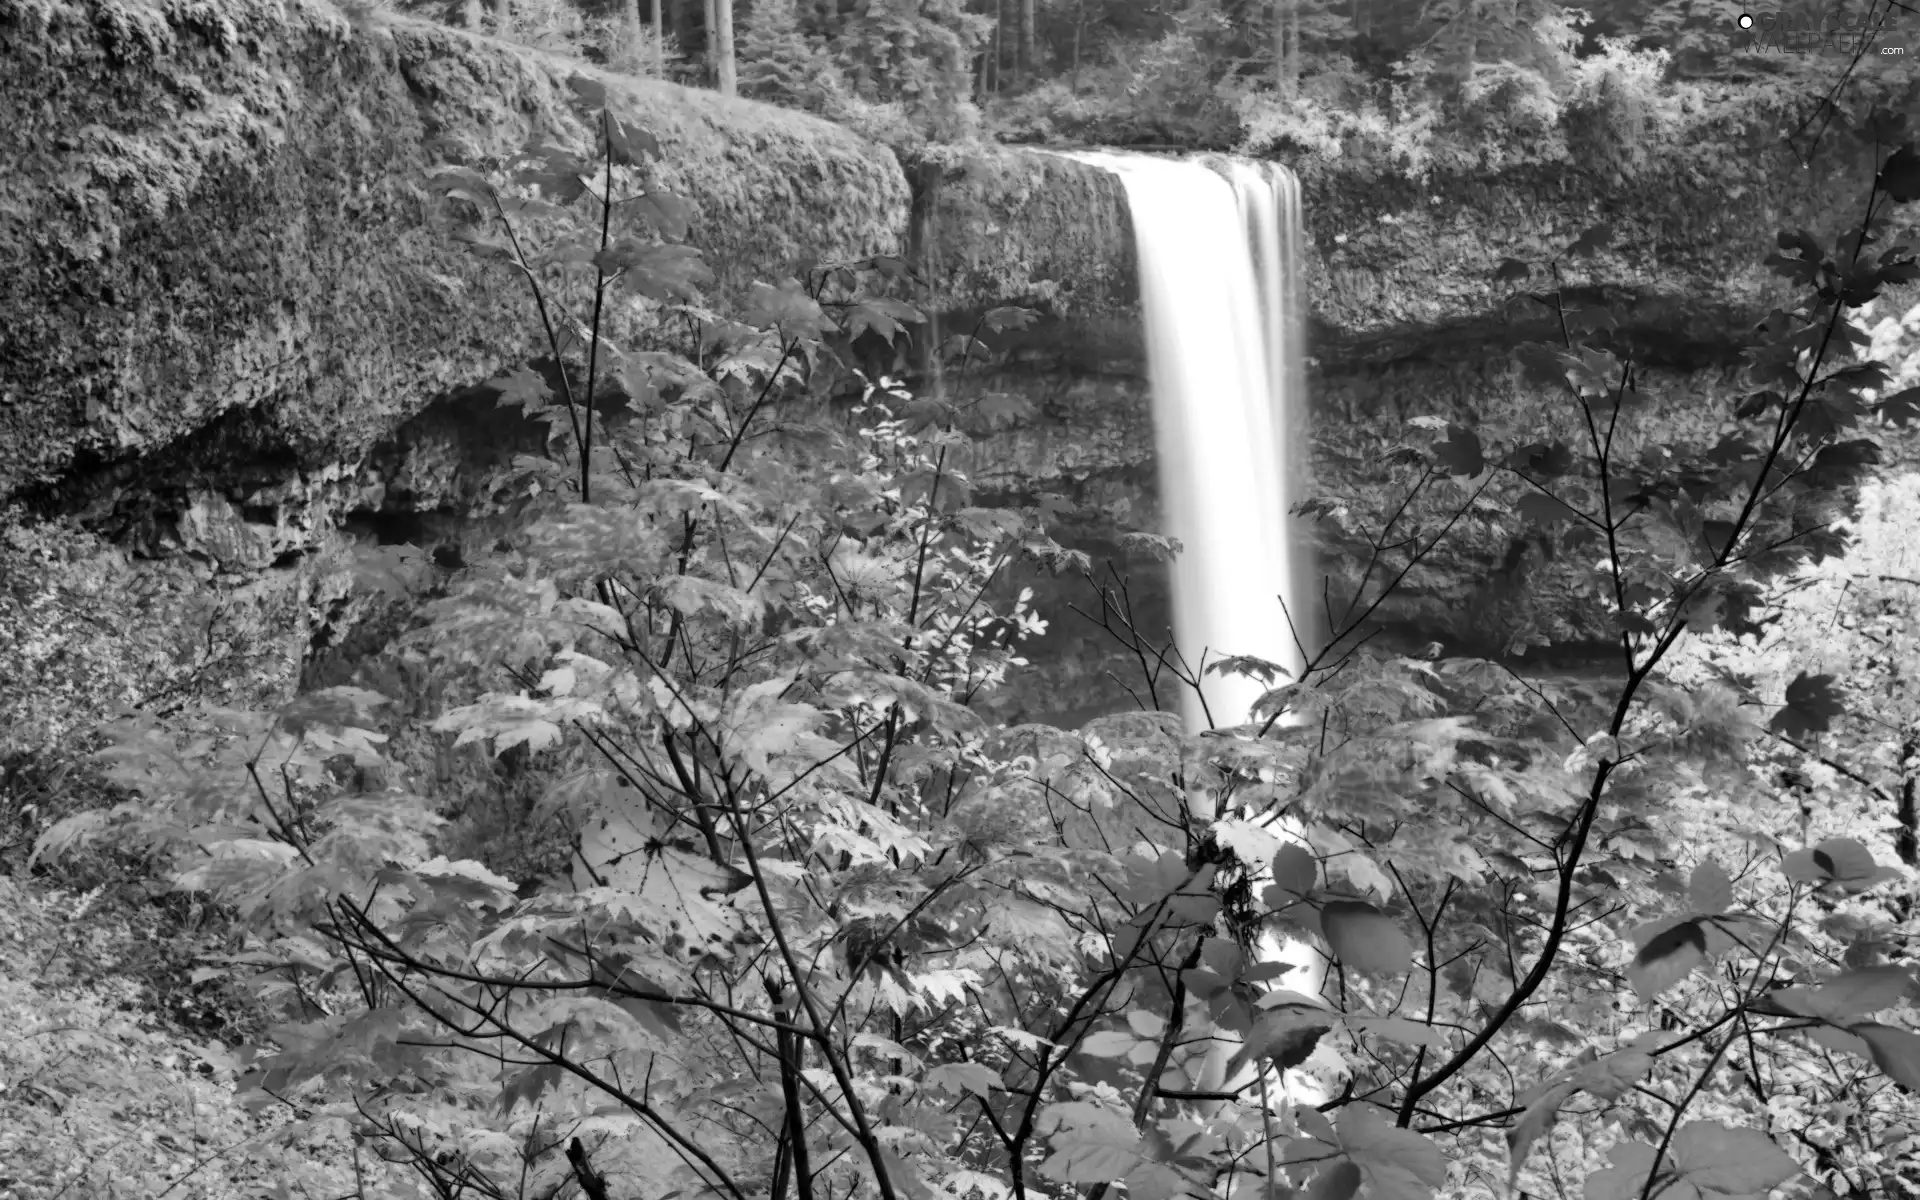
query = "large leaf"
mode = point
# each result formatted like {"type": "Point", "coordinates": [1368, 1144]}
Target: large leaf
{"type": "Point", "coordinates": [1626, 1178]}
{"type": "Point", "coordinates": [977, 1078]}
{"type": "Point", "coordinates": [1608, 1077]}
{"type": "Point", "coordinates": [1812, 703]}
{"type": "Point", "coordinates": [1295, 869]}
{"type": "Point", "coordinates": [1901, 175]}
{"type": "Point", "coordinates": [1337, 1182]}
{"type": "Point", "coordinates": [630, 147]}
{"type": "Point", "coordinates": [1459, 453]}
{"type": "Point", "coordinates": [691, 595]}
{"type": "Point", "coordinates": [681, 897]}
{"type": "Point", "coordinates": [655, 270]}
{"type": "Point", "coordinates": [1364, 938]}
{"type": "Point", "coordinates": [1611, 1076]}
{"type": "Point", "coordinates": [1841, 862]}
{"type": "Point", "coordinates": [1895, 1051]}
{"type": "Point", "coordinates": [1667, 958]}
{"type": "Point", "coordinates": [882, 316]}
{"type": "Point", "coordinates": [1710, 891]}
{"type": "Point", "coordinates": [787, 308]}
{"type": "Point", "coordinates": [1399, 1164]}
{"type": "Point", "coordinates": [772, 737]}
{"type": "Point", "coordinates": [1109, 1043]}
{"type": "Point", "coordinates": [1089, 1143]}
{"type": "Point", "coordinates": [1847, 997]}
{"type": "Point", "coordinates": [1739, 1162]}
{"type": "Point", "coordinates": [1539, 508]}
{"type": "Point", "coordinates": [1535, 1121]}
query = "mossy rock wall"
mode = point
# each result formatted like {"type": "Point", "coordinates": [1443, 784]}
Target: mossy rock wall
{"type": "Point", "coordinates": [1006, 226]}
{"type": "Point", "coordinates": [1399, 264]}
{"type": "Point", "coordinates": [216, 207]}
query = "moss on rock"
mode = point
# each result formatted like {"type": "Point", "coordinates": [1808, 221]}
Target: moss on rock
{"type": "Point", "coordinates": [214, 205]}
{"type": "Point", "coordinates": [1399, 265]}
{"type": "Point", "coordinates": [1009, 226]}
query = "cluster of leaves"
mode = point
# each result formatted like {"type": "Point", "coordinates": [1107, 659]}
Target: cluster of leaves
{"type": "Point", "coordinates": [85, 629]}
{"type": "Point", "coordinates": [1840, 655]}
{"type": "Point", "coordinates": [99, 1097]}
{"type": "Point", "coordinates": [825, 931]}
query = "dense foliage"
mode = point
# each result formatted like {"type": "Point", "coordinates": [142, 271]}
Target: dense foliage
{"type": "Point", "coordinates": [1419, 83]}
{"type": "Point", "coordinates": [822, 930]}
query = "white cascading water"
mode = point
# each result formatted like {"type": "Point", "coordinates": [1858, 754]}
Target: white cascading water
{"type": "Point", "coordinates": [1218, 253]}
{"type": "Point", "coordinates": [1220, 250]}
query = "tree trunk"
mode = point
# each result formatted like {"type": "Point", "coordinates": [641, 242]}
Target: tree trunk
{"type": "Point", "coordinates": [723, 48]}
{"type": "Point", "coordinates": [1079, 29]}
{"type": "Point", "coordinates": [708, 20]}
{"type": "Point", "coordinates": [659, 43]}
{"type": "Point", "coordinates": [1293, 44]}
{"type": "Point", "coordinates": [632, 55]}
{"type": "Point", "coordinates": [1906, 840]}
{"type": "Point", "coordinates": [999, 42]}
{"type": "Point", "coordinates": [1027, 24]}
{"type": "Point", "coordinates": [1286, 37]}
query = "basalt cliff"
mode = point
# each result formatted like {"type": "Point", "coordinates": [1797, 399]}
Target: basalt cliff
{"type": "Point", "coordinates": [233, 341]}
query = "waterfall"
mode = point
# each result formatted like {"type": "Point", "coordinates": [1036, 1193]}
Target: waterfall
{"type": "Point", "coordinates": [1219, 255]}
{"type": "Point", "coordinates": [1221, 252]}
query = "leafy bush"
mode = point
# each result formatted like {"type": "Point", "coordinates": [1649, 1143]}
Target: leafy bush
{"type": "Point", "coordinates": [1400, 130]}
{"type": "Point", "coordinates": [1604, 106]}
{"type": "Point", "coordinates": [103, 1098]}
{"type": "Point", "coordinates": [824, 930]}
{"type": "Point", "coordinates": [86, 629]}
{"type": "Point", "coordinates": [1168, 91]}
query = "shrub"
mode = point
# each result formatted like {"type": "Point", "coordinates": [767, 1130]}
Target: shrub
{"type": "Point", "coordinates": [824, 930]}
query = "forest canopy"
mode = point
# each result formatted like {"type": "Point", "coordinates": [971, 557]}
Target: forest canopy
{"type": "Point", "coordinates": [1296, 74]}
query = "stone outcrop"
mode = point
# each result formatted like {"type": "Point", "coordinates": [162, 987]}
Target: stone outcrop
{"type": "Point", "coordinates": [221, 285]}
{"type": "Point", "coordinates": [231, 322]}
{"type": "Point", "coordinates": [218, 209]}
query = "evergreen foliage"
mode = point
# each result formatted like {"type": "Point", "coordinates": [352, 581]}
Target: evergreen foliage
{"type": "Point", "coordinates": [1426, 82]}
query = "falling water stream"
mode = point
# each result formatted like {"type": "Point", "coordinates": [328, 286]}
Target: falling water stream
{"type": "Point", "coordinates": [1220, 251]}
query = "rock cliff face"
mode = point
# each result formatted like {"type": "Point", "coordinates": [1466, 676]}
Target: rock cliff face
{"type": "Point", "coordinates": [217, 209]}
{"type": "Point", "coordinates": [222, 303]}
{"type": "Point", "coordinates": [1411, 315]}
{"type": "Point", "coordinates": [219, 287]}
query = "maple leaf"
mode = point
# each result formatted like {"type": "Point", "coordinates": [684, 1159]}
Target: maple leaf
{"type": "Point", "coordinates": [1812, 703]}
{"type": "Point", "coordinates": [787, 308]}
{"type": "Point", "coordinates": [1089, 1143]}
{"type": "Point", "coordinates": [656, 270]}
{"type": "Point", "coordinates": [676, 894]}
{"type": "Point", "coordinates": [882, 316]}
{"type": "Point", "coordinates": [523, 387]}
{"type": "Point", "coordinates": [1459, 453]}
